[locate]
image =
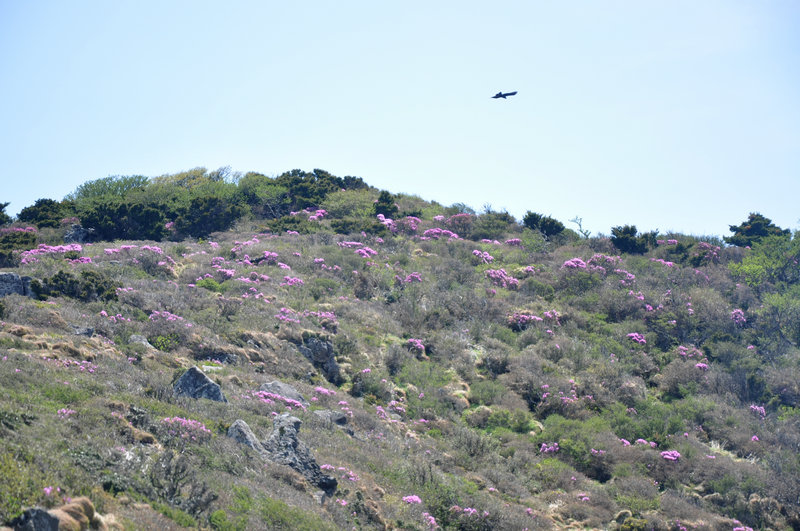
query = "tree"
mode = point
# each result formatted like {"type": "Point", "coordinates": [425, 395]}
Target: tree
{"type": "Point", "coordinates": [752, 230]}
{"type": "Point", "coordinates": [4, 218]}
{"type": "Point", "coordinates": [117, 186]}
{"type": "Point", "coordinates": [548, 226]}
{"type": "Point", "coordinates": [385, 205]}
{"type": "Point", "coordinates": [45, 213]}
{"type": "Point", "coordinates": [263, 195]}
{"type": "Point", "coordinates": [625, 239]}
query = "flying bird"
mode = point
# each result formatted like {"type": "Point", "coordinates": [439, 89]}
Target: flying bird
{"type": "Point", "coordinates": [502, 95]}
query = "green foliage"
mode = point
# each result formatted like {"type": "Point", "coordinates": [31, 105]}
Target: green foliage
{"type": "Point", "coordinates": [115, 186]}
{"type": "Point", "coordinates": [772, 260]}
{"type": "Point", "coordinates": [576, 438]}
{"type": "Point", "coordinates": [264, 196]}
{"type": "Point", "coordinates": [358, 204]}
{"type": "Point", "coordinates": [166, 343]}
{"type": "Point", "coordinates": [175, 514]}
{"type": "Point", "coordinates": [492, 225]}
{"type": "Point", "coordinates": [45, 213]}
{"type": "Point", "coordinates": [20, 485]}
{"type": "Point", "coordinates": [207, 214]}
{"type": "Point", "coordinates": [310, 189]}
{"type": "Point", "coordinates": [544, 224]}
{"type": "Point", "coordinates": [518, 420]}
{"type": "Point", "coordinates": [89, 285]}
{"type": "Point", "coordinates": [486, 392]}
{"type": "Point", "coordinates": [5, 219]}
{"type": "Point", "coordinates": [14, 240]}
{"type": "Point", "coordinates": [357, 226]}
{"type": "Point", "coordinates": [121, 219]}
{"type": "Point", "coordinates": [625, 239]}
{"type": "Point", "coordinates": [210, 284]}
{"type": "Point", "coordinates": [276, 514]}
{"type": "Point", "coordinates": [753, 230]}
{"type": "Point", "coordinates": [385, 205]}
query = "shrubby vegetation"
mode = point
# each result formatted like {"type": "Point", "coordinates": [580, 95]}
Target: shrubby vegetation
{"type": "Point", "coordinates": [492, 374]}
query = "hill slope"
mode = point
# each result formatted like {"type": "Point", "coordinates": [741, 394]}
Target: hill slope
{"type": "Point", "coordinates": [455, 370]}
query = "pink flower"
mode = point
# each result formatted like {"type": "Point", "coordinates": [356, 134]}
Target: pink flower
{"type": "Point", "coordinates": [412, 499]}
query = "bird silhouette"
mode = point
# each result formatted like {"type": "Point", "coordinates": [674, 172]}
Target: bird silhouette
{"type": "Point", "coordinates": [502, 95]}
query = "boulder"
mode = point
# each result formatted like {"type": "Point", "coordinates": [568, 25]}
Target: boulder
{"type": "Point", "coordinates": [285, 447]}
{"type": "Point", "coordinates": [283, 389]}
{"type": "Point", "coordinates": [87, 331]}
{"type": "Point", "coordinates": [195, 384]}
{"type": "Point", "coordinates": [241, 433]}
{"type": "Point", "coordinates": [137, 339]}
{"type": "Point", "coordinates": [329, 415]}
{"type": "Point", "coordinates": [35, 519]}
{"type": "Point", "coordinates": [320, 354]}
{"type": "Point", "coordinates": [12, 283]}
{"type": "Point", "coordinates": [77, 234]}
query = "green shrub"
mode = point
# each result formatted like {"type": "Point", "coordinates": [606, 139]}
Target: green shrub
{"type": "Point", "coordinates": [276, 514]}
{"type": "Point", "coordinates": [166, 343]}
{"type": "Point", "coordinates": [548, 226]}
{"type": "Point", "coordinates": [89, 286]}
{"type": "Point", "coordinates": [210, 284]}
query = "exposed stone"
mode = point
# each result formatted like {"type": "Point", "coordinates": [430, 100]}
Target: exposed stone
{"type": "Point", "coordinates": [283, 389]}
{"type": "Point", "coordinates": [285, 447]}
{"type": "Point", "coordinates": [12, 283]}
{"type": "Point", "coordinates": [77, 234]}
{"type": "Point", "coordinates": [35, 519]}
{"type": "Point", "coordinates": [320, 354]}
{"type": "Point", "coordinates": [336, 417]}
{"type": "Point", "coordinates": [83, 330]}
{"type": "Point", "coordinates": [137, 339]}
{"type": "Point", "coordinates": [194, 384]}
{"type": "Point", "coordinates": [241, 433]}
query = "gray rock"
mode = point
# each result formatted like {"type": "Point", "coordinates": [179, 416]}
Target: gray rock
{"type": "Point", "coordinates": [321, 355]}
{"type": "Point", "coordinates": [283, 389]}
{"type": "Point", "coordinates": [241, 433]}
{"type": "Point", "coordinates": [335, 417]}
{"type": "Point", "coordinates": [35, 519]}
{"type": "Point", "coordinates": [285, 447]}
{"type": "Point", "coordinates": [77, 234]}
{"type": "Point", "coordinates": [12, 283]}
{"type": "Point", "coordinates": [194, 384]}
{"type": "Point", "coordinates": [137, 339]}
{"type": "Point", "coordinates": [83, 330]}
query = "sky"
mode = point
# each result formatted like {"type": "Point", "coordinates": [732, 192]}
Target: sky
{"type": "Point", "coordinates": [677, 116]}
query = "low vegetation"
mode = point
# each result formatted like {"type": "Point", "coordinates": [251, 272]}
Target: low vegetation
{"type": "Point", "coordinates": [493, 374]}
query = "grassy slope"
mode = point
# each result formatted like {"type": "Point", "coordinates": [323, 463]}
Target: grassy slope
{"type": "Point", "coordinates": [471, 423]}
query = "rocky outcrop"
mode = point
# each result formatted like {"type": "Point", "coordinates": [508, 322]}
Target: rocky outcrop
{"type": "Point", "coordinates": [320, 354]}
{"type": "Point", "coordinates": [332, 416]}
{"type": "Point", "coordinates": [241, 433]}
{"type": "Point", "coordinates": [284, 447]}
{"type": "Point", "coordinates": [35, 519]}
{"type": "Point", "coordinates": [194, 384]}
{"type": "Point", "coordinates": [283, 389]}
{"type": "Point", "coordinates": [77, 514]}
{"type": "Point", "coordinates": [137, 339]}
{"type": "Point", "coordinates": [12, 283]}
{"type": "Point", "coordinates": [77, 234]}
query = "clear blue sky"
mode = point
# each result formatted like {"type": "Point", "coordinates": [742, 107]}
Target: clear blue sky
{"type": "Point", "coordinates": [679, 115]}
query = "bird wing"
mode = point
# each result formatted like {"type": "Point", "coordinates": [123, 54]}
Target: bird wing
{"type": "Point", "coordinates": [511, 93]}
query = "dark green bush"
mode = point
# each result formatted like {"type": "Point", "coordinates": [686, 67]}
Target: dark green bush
{"type": "Point", "coordinates": [545, 224]}
{"type": "Point", "coordinates": [88, 286]}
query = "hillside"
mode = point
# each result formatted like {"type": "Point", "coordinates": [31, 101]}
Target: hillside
{"type": "Point", "coordinates": [449, 369]}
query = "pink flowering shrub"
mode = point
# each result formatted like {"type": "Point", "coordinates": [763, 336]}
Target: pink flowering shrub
{"type": "Point", "coordinates": [500, 278]}
{"type": "Point", "coordinates": [179, 431]}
